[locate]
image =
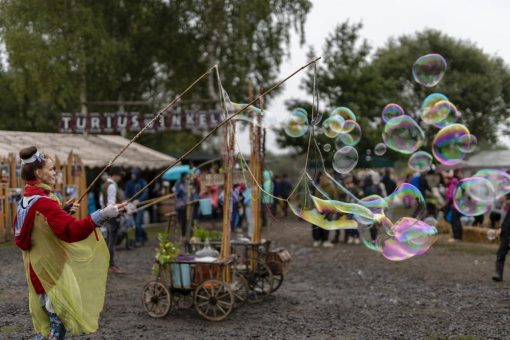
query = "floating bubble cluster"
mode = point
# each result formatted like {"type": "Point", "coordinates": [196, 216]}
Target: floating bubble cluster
{"type": "Point", "coordinates": [446, 146]}
{"type": "Point", "coordinates": [390, 111]}
{"type": "Point", "coordinates": [344, 112]}
{"type": "Point", "coordinates": [411, 237]}
{"type": "Point", "coordinates": [474, 196]}
{"type": "Point", "coordinates": [403, 134]}
{"type": "Point", "coordinates": [500, 181]}
{"type": "Point", "coordinates": [380, 149]}
{"type": "Point", "coordinates": [420, 161]}
{"type": "Point", "coordinates": [351, 133]}
{"type": "Point", "coordinates": [468, 143]}
{"type": "Point", "coordinates": [401, 233]}
{"type": "Point", "coordinates": [297, 124]}
{"type": "Point", "coordinates": [345, 159]}
{"type": "Point", "coordinates": [428, 70]}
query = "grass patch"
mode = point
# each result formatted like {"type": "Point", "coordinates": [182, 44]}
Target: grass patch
{"type": "Point", "coordinates": [11, 329]}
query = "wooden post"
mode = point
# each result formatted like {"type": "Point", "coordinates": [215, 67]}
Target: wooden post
{"type": "Point", "coordinates": [256, 199]}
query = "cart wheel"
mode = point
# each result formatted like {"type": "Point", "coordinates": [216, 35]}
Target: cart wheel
{"type": "Point", "coordinates": [240, 289]}
{"type": "Point", "coordinates": [214, 300]}
{"type": "Point", "coordinates": [260, 281]}
{"type": "Point", "coordinates": [277, 272]}
{"type": "Point", "coordinates": [156, 299]}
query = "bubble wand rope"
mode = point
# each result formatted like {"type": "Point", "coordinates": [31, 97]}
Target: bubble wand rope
{"type": "Point", "coordinates": [227, 120]}
{"type": "Point", "coordinates": [143, 129]}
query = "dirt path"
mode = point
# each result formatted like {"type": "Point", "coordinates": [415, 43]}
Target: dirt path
{"type": "Point", "coordinates": [346, 292]}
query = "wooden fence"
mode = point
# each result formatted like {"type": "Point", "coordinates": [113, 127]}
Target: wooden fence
{"type": "Point", "coordinates": [71, 182]}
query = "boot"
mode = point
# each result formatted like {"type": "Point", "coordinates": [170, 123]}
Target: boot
{"type": "Point", "coordinates": [498, 277]}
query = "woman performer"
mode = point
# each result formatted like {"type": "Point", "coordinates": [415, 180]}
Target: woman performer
{"type": "Point", "coordinates": [66, 260]}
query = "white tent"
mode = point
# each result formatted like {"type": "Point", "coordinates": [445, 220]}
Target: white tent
{"type": "Point", "coordinates": [496, 159]}
{"type": "Point", "coordinates": [94, 150]}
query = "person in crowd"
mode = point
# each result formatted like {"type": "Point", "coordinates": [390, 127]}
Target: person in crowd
{"type": "Point", "coordinates": [181, 189]}
{"type": "Point", "coordinates": [389, 183]}
{"type": "Point", "coordinates": [351, 184]}
{"type": "Point", "coordinates": [452, 214]}
{"type": "Point", "coordinates": [373, 186]}
{"type": "Point", "coordinates": [276, 193]}
{"type": "Point", "coordinates": [285, 191]}
{"type": "Point", "coordinates": [112, 194]}
{"type": "Point", "coordinates": [504, 239]}
{"type": "Point", "coordinates": [53, 244]}
{"type": "Point", "coordinates": [267, 195]}
{"type": "Point", "coordinates": [248, 212]}
{"type": "Point", "coordinates": [133, 186]}
{"type": "Point", "coordinates": [321, 236]}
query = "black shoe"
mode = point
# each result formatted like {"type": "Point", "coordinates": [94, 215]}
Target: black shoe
{"type": "Point", "coordinates": [497, 278]}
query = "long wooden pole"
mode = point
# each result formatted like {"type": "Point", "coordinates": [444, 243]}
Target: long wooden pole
{"type": "Point", "coordinates": [220, 125]}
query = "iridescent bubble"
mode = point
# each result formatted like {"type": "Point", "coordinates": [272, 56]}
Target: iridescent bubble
{"type": "Point", "coordinates": [468, 143]}
{"type": "Point", "coordinates": [345, 159]}
{"type": "Point", "coordinates": [344, 112]}
{"type": "Point", "coordinates": [439, 112]}
{"type": "Point", "coordinates": [411, 237]}
{"type": "Point", "coordinates": [332, 126]}
{"type": "Point", "coordinates": [500, 180]}
{"type": "Point", "coordinates": [445, 146]}
{"type": "Point", "coordinates": [327, 147]}
{"type": "Point", "coordinates": [392, 110]}
{"type": "Point", "coordinates": [376, 204]}
{"type": "Point", "coordinates": [353, 136]}
{"type": "Point", "coordinates": [420, 161]}
{"type": "Point", "coordinates": [428, 70]}
{"type": "Point", "coordinates": [297, 123]}
{"type": "Point", "coordinates": [403, 134]}
{"type": "Point", "coordinates": [454, 116]}
{"type": "Point", "coordinates": [474, 196]}
{"type": "Point", "coordinates": [405, 201]}
{"type": "Point", "coordinates": [380, 149]}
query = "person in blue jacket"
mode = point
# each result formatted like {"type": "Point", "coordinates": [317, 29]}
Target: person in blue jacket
{"type": "Point", "coordinates": [135, 184]}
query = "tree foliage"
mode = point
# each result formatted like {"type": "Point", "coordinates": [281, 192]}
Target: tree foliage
{"type": "Point", "coordinates": [351, 75]}
{"type": "Point", "coordinates": [64, 53]}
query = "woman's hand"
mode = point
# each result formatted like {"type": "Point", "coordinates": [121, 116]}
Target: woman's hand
{"type": "Point", "coordinates": [74, 208]}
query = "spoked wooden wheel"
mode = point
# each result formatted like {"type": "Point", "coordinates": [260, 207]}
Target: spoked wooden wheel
{"type": "Point", "coordinates": [214, 300]}
{"type": "Point", "coordinates": [240, 289]}
{"type": "Point", "coordinates": [156, 299]}
{"type": "Point", "coordinates": [260, 281]}
{"type": "Point", "coordinates": [277, 271]}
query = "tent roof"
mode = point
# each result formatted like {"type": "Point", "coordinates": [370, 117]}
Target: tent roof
{"type": "Point", "coordinates": [496, 159]}
{"type": "Point", "coordinates": [94, 150]}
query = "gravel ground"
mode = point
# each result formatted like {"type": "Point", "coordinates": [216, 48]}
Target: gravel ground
{"type": "Point", "coordinates": [345, 292]}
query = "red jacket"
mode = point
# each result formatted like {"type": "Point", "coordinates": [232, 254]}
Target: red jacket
{"type": "Point", "coordinates": [66, 227]}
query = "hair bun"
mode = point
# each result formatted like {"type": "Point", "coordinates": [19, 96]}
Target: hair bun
{"type": "Point", "coordinates": [26, 153]}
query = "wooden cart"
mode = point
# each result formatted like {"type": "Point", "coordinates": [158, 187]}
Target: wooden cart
{"type": "Point", "coordinates": [203, 285]}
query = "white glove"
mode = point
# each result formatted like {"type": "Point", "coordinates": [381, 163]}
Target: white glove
{"type": "Point", "coordinates": [113, 210]}
{"type": "Point", "coordinates": [110, 211]}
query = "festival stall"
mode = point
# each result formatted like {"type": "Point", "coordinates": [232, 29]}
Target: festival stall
{"type": "Point", "coordinates": [75, 157]}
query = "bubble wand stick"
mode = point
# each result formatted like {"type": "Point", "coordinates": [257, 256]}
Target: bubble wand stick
{"type": "Point", "coordinates": [143, 129]}
{"type": "Point", "coordinates": [220, 125]}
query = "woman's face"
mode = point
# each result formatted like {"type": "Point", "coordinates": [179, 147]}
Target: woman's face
{"type": "Point", "coordinates": [46, 174]}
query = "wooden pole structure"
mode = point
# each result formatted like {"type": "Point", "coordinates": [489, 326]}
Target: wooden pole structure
{"type": "Point", "coordinates": [256, 169]}
{"type": "Point", "coordinates": [228, 167]}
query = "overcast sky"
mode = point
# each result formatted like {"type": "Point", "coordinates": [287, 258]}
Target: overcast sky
{"type": "Point", "coordinates": [486, 23]}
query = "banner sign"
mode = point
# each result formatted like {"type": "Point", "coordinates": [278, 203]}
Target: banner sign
{"type": "Point", "coordinates": [119, 122]}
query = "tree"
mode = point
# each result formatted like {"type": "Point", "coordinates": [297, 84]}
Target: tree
{"type": "Point", "coordinates": [62, 54]}
{"type": "Point", "coordinates": [345, 77]}
{"type": "Point", "coordinates": [478, 84]}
